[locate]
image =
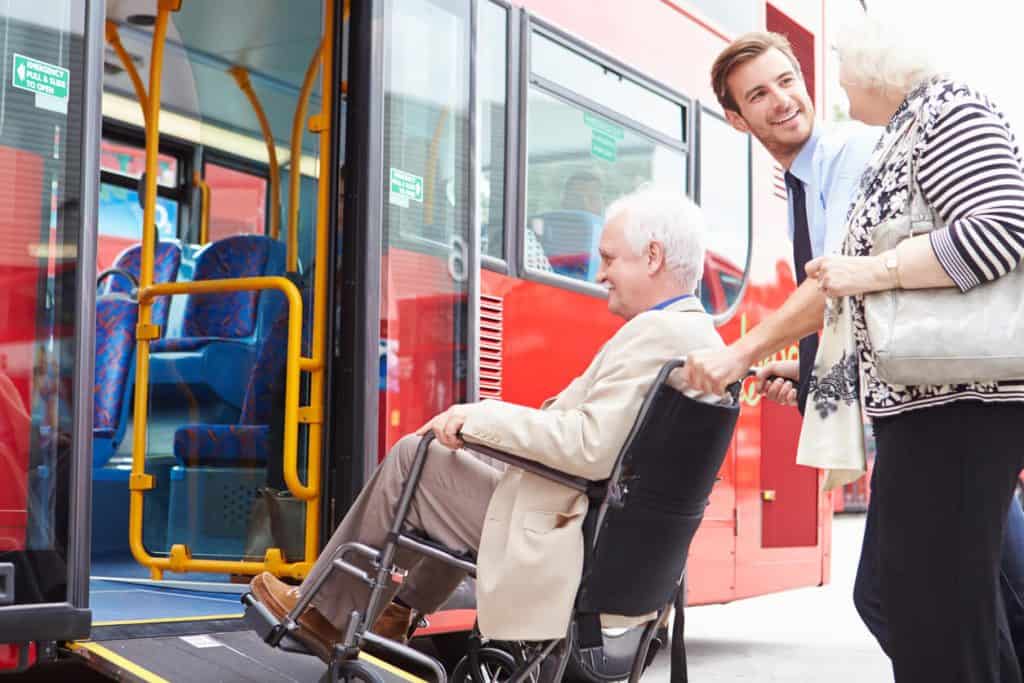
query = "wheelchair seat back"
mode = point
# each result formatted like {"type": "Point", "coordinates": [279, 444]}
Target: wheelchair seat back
{"type": "Point", "coordinates": [669, 464]}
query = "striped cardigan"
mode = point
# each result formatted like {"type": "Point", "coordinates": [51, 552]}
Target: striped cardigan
{"type": "Point", "coordinates": [971, 174]}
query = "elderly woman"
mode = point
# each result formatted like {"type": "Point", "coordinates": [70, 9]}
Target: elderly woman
{"type": "Point", "coordinates": [948, 454]}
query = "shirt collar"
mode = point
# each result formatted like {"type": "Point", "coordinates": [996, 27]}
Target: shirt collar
{"type": "Point", "coordinates": [802, 167]}
{"type": "Point", "coordinates": [668, 302]}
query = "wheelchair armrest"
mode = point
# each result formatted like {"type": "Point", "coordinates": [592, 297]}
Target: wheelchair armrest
{"type": "Point", "coordinates": [577, 483]}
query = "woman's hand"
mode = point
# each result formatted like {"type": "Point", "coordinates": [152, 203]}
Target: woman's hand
{"type": "Point", "coordinates": [850, 275]}
{"type": "Point", "coordinates": [780, 389]}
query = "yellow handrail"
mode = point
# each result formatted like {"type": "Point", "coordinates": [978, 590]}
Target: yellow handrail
{"type": "Point", "coordinates": [241, 76]}
{"type": "Point", "coordinates": [114, 38]}
{"type": "Point", "coordinates": [295, 176]}
{"type": "Point", "coordinates": [146, 331]}
{"type": "Point", "coordinates": [180, 558]}
{"type": "Point", "coordinates": [204, 209]}
{"type": "Point", "coordinates": [310, 492]}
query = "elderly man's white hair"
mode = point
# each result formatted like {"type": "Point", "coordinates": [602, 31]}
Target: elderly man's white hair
{"type": "Point", "coordinates": [884, 55]}
{"type": "Point", "coordinates": [672, 220]}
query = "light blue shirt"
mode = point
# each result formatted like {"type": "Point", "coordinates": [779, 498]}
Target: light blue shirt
{"type": "Point", "coordinates": [830, 165]}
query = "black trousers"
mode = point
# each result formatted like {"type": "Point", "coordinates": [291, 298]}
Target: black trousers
{"type": "Point", "coordinates": [943, 482]}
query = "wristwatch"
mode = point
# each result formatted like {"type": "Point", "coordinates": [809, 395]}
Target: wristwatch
{"type": "Point", "coordinates": [891, 259]}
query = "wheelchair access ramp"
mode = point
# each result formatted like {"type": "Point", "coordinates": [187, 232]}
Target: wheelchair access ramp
{"type": "Point", "coordinates": [230, 656]}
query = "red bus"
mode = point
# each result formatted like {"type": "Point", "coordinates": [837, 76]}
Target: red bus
{"type": "Point", "coordinates": [358, 213]}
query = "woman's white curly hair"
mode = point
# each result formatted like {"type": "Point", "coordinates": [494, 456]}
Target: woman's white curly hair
{"type": "Point", "coordinates": [881, 56]}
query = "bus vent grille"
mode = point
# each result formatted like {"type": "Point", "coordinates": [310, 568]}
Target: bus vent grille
{"type": "Point", "coordinates": [491, 324]}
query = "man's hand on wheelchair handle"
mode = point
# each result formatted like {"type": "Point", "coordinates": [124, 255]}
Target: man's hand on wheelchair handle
{"type": "Point", "coordinates": [446, 426]}
{"type": "Point", "coordinates": [711, 371]}
{"type": "Point", "coordinates": [781, 389]}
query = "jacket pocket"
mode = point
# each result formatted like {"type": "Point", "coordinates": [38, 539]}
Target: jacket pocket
{"type": "Point", "coordinates": [542, 522]}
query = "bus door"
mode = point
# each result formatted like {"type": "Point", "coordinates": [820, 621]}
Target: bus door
{"type": "Point", "coordinates": [408, 301]}
{"type": "Point", "coordinates": [46, 150]}
{"type": "Point", "coordinates": [217, 124]}
{"type": "Point", "coordinates": [412, 163]}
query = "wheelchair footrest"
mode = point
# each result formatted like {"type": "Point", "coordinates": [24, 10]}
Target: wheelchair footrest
{"type": "Point", "coordinates": [267, 627]}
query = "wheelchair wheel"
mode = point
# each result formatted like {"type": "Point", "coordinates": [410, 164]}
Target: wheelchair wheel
{"type": "Point", "coordinates": [615, 659]}
{"type": "Point", "coordinates": [495, 666]}
{"type": "Point", "coordinates": [351, 671]}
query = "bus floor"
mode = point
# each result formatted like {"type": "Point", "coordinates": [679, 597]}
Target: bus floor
{"type": "Point", "coordinates": [121, 592]}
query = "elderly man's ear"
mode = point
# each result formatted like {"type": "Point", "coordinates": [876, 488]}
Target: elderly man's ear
{"type": "Point", "coordinates": [655, 257]}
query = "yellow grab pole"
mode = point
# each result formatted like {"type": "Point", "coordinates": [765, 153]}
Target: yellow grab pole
{"type": "Point", "coordinates": [241, 76]}
{"type": "Point", "coordinates": [295, 178]}
{"type": "Point", "coordinates": [180, 559]}
{"type": "Point", "coordinates": [114, 38]}
{"type": "Point", "coordinates": [311, 492]}
{"type": "Point", "coordinates": [140, 482]}
{"type": "Point", "coordinates": [204, 210]}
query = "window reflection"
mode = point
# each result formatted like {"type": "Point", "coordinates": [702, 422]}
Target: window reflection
{"type": "Point", "coordinates": [724, 157]}
{"type": "Point", "coordinates": [491, 84]}
{"type": "Point", "coordinates": [604, 86]}
{"type": "Point", "coordinates": [577, 164]}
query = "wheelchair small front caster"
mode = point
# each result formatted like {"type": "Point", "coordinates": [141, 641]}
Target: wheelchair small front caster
{"type": "Point", "coordinates": [492, 666]}
{"type": "Point", "coordinates": [350, 671]}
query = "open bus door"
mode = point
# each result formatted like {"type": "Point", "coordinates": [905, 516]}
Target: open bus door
{"type": "Point", "coordinates": [172, 550]}
{"type": "Point", "coordinates": [48, 136]}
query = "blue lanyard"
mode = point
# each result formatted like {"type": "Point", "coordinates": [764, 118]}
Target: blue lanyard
{"type": "Point", "coordinates": [668, 302]}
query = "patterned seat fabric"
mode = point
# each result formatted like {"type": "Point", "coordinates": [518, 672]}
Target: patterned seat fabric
{"type": "Point", "coordinates": [187, 343]}
{"type": "Point", "coordinates": [249, 442]}
{"type": "Point", "coordinates": [231, 315]}
{"type": "Point", "coordinates": [116, 316]}
{"type": "Point", "coordinates": [222, 445]}
{"type": "Point", "coordinates": [167, 259]}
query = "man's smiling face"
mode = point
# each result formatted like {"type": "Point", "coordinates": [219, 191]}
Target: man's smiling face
{"type": "Point", "coordinates": [774, 105]}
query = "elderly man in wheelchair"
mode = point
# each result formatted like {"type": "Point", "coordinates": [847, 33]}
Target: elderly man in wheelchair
{"type": "Point", "coordinates": [502, 492]}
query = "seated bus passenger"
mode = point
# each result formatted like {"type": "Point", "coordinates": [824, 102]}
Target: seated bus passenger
{"type": "Point", "coordinates": [526, 530]}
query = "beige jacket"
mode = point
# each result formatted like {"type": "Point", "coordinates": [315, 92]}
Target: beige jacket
{"type": "Point", "coordinates": [531, 551]}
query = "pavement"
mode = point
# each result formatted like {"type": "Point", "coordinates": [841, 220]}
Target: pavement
{"type": "Point", "coordinates": [799, 636]}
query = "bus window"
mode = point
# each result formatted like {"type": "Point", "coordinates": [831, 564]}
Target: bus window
{"type": "Point", "coordinates": [724, 192]}
{"type": "Point", "coordinates": [491, 84]}
{"type": "Point", "coordinates": [129, 161]}
{"type": "Point", "coordinates": [120, 212]}
{"type": "Point", "coordinates": [120, 222]}
{"type": "Point", "coordinates": [550, 61]}
{"type": "Point", "coordinates": [238, 202]}
{"type": "Point", "coordinates": [577, 164]}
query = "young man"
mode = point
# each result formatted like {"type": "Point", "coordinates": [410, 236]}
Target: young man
{"type": "Point", "coordinates": [527, 531]}
{"type": "Point", "coordinates": [758, 82]}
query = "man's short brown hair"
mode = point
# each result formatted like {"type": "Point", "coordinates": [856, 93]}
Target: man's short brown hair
{"type": "Point", "coordinates": [741, 51]}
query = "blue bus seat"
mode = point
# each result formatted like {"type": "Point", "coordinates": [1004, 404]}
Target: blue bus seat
{"type": "Point", "coordinates": [116, 317]}
{"type": "Point", "coordinates": [570, 240]}
{"type": "Point", "coordinates": [220, 332]}
{"type": "Point", "coordinates": [220, 467]}
{"type": "Point", "coordinates": [166, 261]}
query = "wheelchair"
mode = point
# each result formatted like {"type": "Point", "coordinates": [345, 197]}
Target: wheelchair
{"type": "Point", "coordinates": [640, 523]}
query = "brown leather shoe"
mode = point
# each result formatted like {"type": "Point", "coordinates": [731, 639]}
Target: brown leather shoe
{"type": "Point", "coordinates": [315, 632]}
{"type": "Point", "coordinates": [394, 623]}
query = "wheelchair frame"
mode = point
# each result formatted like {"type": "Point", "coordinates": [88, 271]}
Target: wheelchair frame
{"type": "Point", "coordinates": [344, 664]}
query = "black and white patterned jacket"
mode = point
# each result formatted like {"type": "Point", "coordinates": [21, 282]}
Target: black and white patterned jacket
{"type": "Point", "coordinates": [970, 172]}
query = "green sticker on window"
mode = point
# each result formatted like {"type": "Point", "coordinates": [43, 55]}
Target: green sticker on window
{"type": "Point", "coordinates": [603, 126]}
{"type": "Point", "coordinates": [602, 147]}
{"type": "Point", "coordinates": [406, 185]}
{"type": "Point", "coordinates": [36, 76]}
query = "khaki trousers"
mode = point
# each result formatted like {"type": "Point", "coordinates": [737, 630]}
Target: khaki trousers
{"type": "Point", "coordinates": [449, 507]}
